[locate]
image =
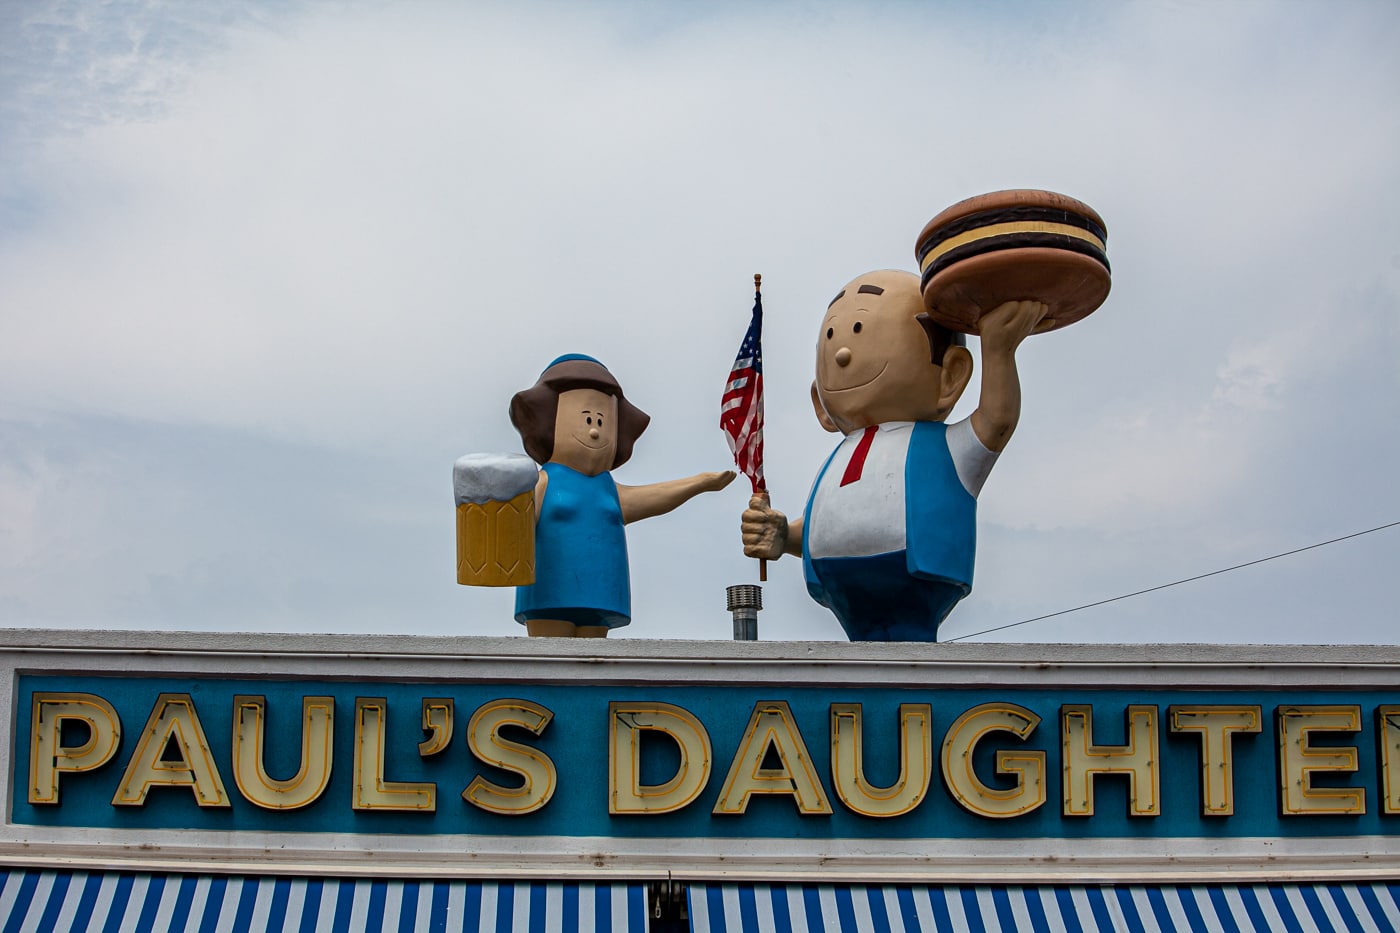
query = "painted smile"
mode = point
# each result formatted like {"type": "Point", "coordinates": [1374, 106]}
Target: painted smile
{"type": "Point", "coordinates": [590, 443]}
{"type": "Point", "coordinates": [826, 388]}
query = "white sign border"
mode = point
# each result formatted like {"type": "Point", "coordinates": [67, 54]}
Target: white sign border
{"type": "Point", "coordinates": [625, 661]}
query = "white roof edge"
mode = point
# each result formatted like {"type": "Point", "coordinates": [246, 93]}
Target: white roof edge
{"type": "Point", "coordinates": [548, 660]}
{"type": "Point", "coordinates": [721, 650]}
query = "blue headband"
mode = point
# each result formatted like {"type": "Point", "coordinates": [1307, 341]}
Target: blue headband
{"type": "Point", "coordinates": [568, 358]}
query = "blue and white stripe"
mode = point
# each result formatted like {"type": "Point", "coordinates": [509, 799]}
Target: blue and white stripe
{"type": "Point", "coordinates": [42, 901]}
{"type": "Point", "coordinates": [877, 908]}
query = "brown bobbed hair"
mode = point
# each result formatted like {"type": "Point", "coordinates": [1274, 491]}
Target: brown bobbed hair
{"type": "Point", "coordinates": [533, 411]}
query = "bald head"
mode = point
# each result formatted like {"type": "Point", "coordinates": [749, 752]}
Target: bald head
{"type": "Point", "coordinates": [900, 286]}
{"type": "Point", "coordinates": [873, 355]}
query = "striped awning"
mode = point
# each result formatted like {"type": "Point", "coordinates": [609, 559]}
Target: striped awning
{"type": "Point", "coordinates": [61, 901]}
{"type": "Point", "coordinates": [1283, 907]}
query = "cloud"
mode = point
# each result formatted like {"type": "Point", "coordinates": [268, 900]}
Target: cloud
{"type": "Point", "coordinates": [357, 229]}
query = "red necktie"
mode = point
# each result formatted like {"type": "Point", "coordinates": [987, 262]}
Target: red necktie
{"type": "Point", "coordinates": [858, 456]}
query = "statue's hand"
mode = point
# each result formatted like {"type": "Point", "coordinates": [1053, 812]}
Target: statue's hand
{"type": "Point", "coordinates": [1004, 327]}
{"type": "Point", "coordinates": [764, 530]}
{"type": "Point", "coordinates": [714, 482]}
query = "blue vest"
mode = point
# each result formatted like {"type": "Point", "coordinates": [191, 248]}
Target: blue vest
{"type": "Point", "coordinates": [580, 553]}
{"type": "Point", "coordinates": [940, 516]}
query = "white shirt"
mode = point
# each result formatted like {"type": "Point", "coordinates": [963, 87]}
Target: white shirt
{"type": "Point", "coordinates": [866, 517]}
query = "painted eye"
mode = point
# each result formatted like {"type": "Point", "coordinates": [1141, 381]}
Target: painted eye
{"type": "Point", "coordinates": [600, 421]}
{"type": "Point", "coordinates": [856, 328]}
{"type": "Point", "coordinates": [589, 419]}
{"type": "Point", "coordinates": [830, 332]}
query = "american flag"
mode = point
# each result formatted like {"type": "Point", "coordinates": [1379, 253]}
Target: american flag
{"type": "Point", "coordinates": [741, 409]}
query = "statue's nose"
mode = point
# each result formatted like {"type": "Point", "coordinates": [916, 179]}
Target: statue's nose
{"type": "Point", "coordinates": [843, 356]}
{"type": "Point", "coordinates": [593, 433]}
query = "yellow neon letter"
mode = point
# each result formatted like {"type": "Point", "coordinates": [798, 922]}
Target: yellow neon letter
{"type": "Point", "coordinates": [485, 741]}
{"type": "Point", "coordinates": [915, 761]}
{"type": "Point", "coordinates": [627, 722]}
{"type": "Point", "coordinates": [249, 773]}
{"type": "Point", "coordinates": [1028, 766]}
{"type": "Point", "coordinates": [173, 716]}
{"type": "Point", "coordinates": [49, 755]}
{"type": "Point", "coordinates": [1217, 726]}
{"type": "Point", "coordinates": [1083, 759]}
{"type": "Point", "coordinates": [1299, 759]}
{"type": "Point", "coordinates": [371, 791]}
{"type": "Point", "coordinates": [1388, 717]}
{"type": "Point", "coordinates": [772, 727]}
{"type": "Point", "coordinates": [437, 722]}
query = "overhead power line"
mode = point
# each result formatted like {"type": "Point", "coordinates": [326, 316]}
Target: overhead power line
{"type": "Point", "coordinates": [1153, 589]}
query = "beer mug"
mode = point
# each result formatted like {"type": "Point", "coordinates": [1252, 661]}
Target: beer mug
{"type": "Point", "coordinates": [495, 519]}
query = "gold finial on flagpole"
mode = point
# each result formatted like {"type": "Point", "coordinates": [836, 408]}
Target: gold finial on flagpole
{"type": "Point", "coordinates": [757, 281]}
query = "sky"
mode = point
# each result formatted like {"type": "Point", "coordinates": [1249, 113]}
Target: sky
{"type": "Point", "coordinates": [268, 269]}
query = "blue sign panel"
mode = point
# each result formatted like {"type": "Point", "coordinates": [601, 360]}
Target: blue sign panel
{"type": "Point", "coordinates": [783, 762]}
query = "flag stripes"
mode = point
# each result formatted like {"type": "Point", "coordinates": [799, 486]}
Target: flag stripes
{"type": "Point", "coordinates": [741, 407]}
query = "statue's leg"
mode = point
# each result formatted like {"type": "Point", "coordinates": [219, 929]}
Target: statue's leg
{"type": "Point", "coordinates": [875, 598]}
{"type": "Point", "coordinates": [551, 628]}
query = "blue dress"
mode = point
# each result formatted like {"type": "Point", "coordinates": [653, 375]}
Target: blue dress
{"type": "Point", "coordinates": [580, 554]}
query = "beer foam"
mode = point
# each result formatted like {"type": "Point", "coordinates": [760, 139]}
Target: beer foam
{"type": "Point", "coordinates": [478, 478]}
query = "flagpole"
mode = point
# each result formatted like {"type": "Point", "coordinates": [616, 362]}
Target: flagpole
{"type": "Point", "coordinates": [741, 420]}
{"type": "Point", "coordinates": [762, 561]}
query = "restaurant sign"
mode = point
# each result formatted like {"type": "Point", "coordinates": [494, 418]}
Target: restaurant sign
{"type": "Point", "coordinates": [931, 761]}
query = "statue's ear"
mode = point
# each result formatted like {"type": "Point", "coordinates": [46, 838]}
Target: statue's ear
{"type": "Point", "coordinates": [822, 417]}
{"type": "Point", "coordinates": [957, 371]}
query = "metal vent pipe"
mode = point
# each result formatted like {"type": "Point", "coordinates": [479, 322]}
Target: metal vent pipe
{"type": "Point", "coordinates": [745, 600]}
